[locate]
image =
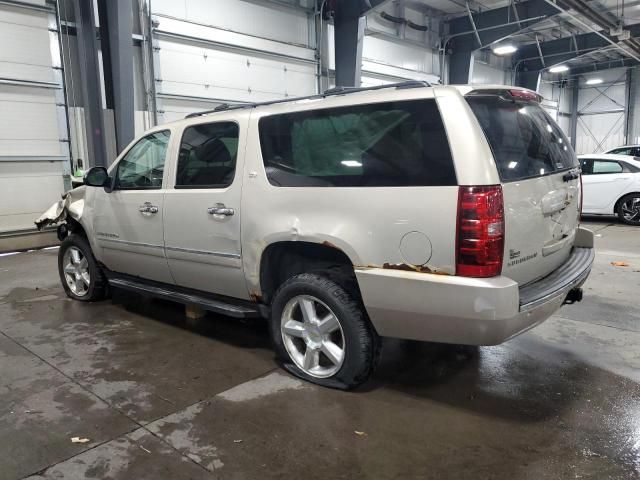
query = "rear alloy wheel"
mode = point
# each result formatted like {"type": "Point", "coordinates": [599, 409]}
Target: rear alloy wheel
{"type": "Point", "coordinates": [312, 336]}
{"type": "Point", "coordinates": [629, 209]}
{"type": "Point", "coordinates": [321, 332]}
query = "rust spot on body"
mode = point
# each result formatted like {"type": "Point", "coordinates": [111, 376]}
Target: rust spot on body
{"type": "Point", "coordinates": [327, 243]}
{"type": "Point", "coordinates": [407, 267]}
{"type": "Point", "coordinates": [255, 297]}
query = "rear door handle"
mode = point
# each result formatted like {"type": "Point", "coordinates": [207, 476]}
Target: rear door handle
{"type": "Point", "coordinates": [147, 208]}
{"type": "Point", "coordinates": [220, 209]}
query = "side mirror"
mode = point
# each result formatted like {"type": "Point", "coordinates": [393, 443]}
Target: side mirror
{"type": "Point", "coordinates": [96, 177]}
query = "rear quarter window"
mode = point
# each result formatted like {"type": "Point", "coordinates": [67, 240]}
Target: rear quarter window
{"type": "Point", "coordinates": [391, 144]}
{"type": "Point", "coordinates": [525, 141]}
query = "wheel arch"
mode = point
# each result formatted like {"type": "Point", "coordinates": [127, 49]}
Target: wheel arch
{"type": "Point", "coordinates": [283, 259]}
{"type": "Point", "coordinates": [617, 203]}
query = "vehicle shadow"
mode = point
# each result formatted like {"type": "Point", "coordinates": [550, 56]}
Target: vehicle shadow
{"type": "Point", "coordinates": [525, 380]}
{"type": "Point", "coordinates": [243, 333]}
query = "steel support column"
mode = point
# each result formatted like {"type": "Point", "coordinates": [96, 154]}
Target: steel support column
{"type": "Point", "coordinates": [349, 35]}
{"type": "Point", "coordinates": [91, 82]}
{"type": "Point", "coordinates": [460, 68]}
{"type": "Point", "coordinates": [573, 121]}
{"type": "Point", "coordinates": [628, 109]}
{"type": "Point", "coordinates": [528, 79]}
{"type": "Point", "coordinates": [119, 25]}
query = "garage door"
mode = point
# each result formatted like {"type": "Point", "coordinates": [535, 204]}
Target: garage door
{"type": "Point", "coordinates": [199, 65]}
{"type": "Point", "coordinates": [33, 159]}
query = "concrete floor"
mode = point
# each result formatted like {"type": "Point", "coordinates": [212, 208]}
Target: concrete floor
{"type": "Point", "coordinates": [161, 398]}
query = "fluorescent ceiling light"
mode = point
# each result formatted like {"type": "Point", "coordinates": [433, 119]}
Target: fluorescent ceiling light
{"type": "Point", "coordinates": [594, 81]}
{"type": "Point", "coordinates": [504, 49]}
{"type": "Point", "coordinates": [558, 69]}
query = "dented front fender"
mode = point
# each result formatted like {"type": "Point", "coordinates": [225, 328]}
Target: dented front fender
{"type": "Point", "coordinates": [71, 204]}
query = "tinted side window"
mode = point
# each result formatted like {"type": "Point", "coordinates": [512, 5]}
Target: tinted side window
{"type": "Point", "coordinates": [604, 166]}
{"type": "Point", "coordinates": [387, 144]}
{"type": "Point", "coordinates": [143, 165]}
{"type": "Point", "coordinates": [585, 165]}
{"type": "Point", "coordinates": [622, 151]}
{"type": "Point", "coordinates": [207, 157]}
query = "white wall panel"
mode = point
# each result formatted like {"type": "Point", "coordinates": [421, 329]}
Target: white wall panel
{"type": "Point", "coordinates": [22, 54]}
{"type": "Point", "coordinates": [267, 21]}
{"type": "Point", "coordinates": [32, 158]}
{"type": "Point", "coordinates": [26, 190]}
{"type": "Point", "coordinates": [598, 133]}
{"type": "Point", "coordinates": [391, 60]}
{"type": "Point", "coordinates": [488, 74]}
{"type": "Point", "coordinates": [601, 120]}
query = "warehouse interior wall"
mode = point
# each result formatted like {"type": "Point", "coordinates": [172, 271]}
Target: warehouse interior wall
{"type": "Point", "coordinates": [490, 69]}
{"type": "Point", "coordinates": [34, 152]}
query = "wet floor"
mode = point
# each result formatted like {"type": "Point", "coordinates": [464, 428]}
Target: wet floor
{"type": "Point", "coordinates": [156, 396]}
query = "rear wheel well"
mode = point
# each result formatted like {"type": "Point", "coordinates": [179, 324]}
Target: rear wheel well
{"type": "Point", "coordinates": [283, 260]}
{"type": "Point", "coordinates": [617, 204]}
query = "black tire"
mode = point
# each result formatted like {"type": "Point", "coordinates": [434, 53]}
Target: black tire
{"type": "Point", "coordinates": [621, 213]}
{"type": "Point", "coordinates": [98, 286]}
{"type": "Point", "coordinates": [360, 341]}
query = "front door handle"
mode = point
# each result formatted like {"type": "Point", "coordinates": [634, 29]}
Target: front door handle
{"type": "Point", "coordinates": [147, 208]}
{"type": "Point", "coordinates": [220, 209]}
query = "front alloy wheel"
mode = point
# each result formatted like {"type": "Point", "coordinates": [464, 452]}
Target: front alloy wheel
{"type": "Point", "coordinates": [76, 271]}
{"type": "Point", "coordinates": [312, 336]}
{"type": "Point", "coordinates": [81, 277]}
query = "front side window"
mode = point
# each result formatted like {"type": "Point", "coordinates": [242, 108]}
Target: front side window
{"type": "Point", "coordinates": [207, 157]}
{"type": "Point", "coordinates": [143, 165]}
{"type": "Point", "coordinates": [387, 144]}
{"type": "Point", "coordinates": [605, 166]}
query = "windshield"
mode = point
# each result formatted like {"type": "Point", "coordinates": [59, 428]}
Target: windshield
{"type": "Point", "coordinates": [524, 139]}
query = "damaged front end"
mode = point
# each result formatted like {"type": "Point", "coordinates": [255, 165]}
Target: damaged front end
{"type": "Point", "coordinates": [69, 207]}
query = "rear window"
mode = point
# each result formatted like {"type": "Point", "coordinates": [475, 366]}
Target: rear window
{"type": "Point", "coordinates": [524, 139]}
{"type": "Point", "coordinates": [391, 144]}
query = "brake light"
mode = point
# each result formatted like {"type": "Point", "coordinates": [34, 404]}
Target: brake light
{"type": "Point", "coordinates": [525, 95]}
{"type": "Point", "coordinates": [581, 197]}
{"type": "Point", "coordinates": [480, 236]}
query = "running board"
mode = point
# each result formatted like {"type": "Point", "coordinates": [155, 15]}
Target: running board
{"type": "Point", "coordinates": [210, 304]}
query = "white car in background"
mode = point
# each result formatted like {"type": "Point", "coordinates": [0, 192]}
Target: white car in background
{"type": "Point", "coordinates": [611, 185]}
{"type": "Point", "coordinates": [632, 150]}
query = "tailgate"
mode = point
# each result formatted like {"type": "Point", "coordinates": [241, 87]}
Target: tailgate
{"type": "Point", "coordinates": [540, 182]}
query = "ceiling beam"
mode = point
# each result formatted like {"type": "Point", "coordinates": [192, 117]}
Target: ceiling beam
{"type": "Point", "coordinates": [497, 23]}
{"type": "Point", "coordinates": [561, 50]}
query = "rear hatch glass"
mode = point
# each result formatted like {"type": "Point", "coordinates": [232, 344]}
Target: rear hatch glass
{"type": "Point", "coordinates": [535, 162]}
{"type": "Point", "coordinates": [524, 139]}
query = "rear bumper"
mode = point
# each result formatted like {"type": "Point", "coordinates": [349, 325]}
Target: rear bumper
{"type": "Point", "coordinates": [472, 311]}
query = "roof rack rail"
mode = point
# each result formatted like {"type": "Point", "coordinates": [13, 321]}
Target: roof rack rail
{"type": "Point", "coordinates": [327, 93]}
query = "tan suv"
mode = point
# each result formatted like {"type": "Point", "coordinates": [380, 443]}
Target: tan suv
{"type": "Point", "coordinates": [445, 214]}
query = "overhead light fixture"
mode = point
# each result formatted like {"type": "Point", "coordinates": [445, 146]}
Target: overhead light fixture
{"type": "Point", "coordinates": [558, 69]}
{"type": "Point", "coordinates": [594, 81]}
{"type": "Point", "coordinates": [507, 49]}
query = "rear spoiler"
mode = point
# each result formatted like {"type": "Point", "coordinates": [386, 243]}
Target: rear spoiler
{"type": "Point", "coordinates": [510, 93]}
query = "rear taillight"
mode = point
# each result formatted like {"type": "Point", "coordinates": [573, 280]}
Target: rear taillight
{"type": "Point", "coordinates": [480, 239]}
{"type": "Point", "coordinates": [581, 197]}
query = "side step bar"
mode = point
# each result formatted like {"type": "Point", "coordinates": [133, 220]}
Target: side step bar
{"type": "Point", "coordinates": [207, 303]}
